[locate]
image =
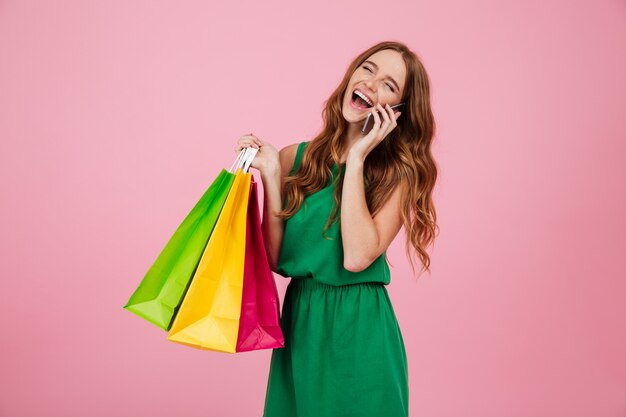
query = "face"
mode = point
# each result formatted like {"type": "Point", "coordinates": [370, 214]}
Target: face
{"type": "Point", "coordinates": [380, 78]}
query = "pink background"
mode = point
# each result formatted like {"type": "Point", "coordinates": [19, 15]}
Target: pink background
{"type": "Point", "coordinates": [115, 117]}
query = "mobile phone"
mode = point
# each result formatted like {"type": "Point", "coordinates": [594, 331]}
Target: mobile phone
{"type": "Point", "coordinates": [369, 121]}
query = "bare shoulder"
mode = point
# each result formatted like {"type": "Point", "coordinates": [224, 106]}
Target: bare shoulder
{"type": "Point", "coordinates": [287, 156]}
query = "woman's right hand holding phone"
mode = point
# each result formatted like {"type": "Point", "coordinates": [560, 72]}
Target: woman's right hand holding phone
{"type": "Point", "coordinates": [266, 160]}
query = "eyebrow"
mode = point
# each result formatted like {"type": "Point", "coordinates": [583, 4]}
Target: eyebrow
{"type": "Point", "coordinates": [392, 80]}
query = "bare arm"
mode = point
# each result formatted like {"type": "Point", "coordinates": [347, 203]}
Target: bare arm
{"type": "Point", "coordinates": [274, 166]}
{"type": "Point", "coordinates": [273, 177]}
{"type": "Point", "coordinates": [365, 238]}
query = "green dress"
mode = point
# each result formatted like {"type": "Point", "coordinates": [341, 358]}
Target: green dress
{"type": "Point", "coordinates": [344, 354]}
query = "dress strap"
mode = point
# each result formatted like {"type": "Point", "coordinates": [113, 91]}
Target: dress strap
{"type": "Point", "coordinates": [298, 158]}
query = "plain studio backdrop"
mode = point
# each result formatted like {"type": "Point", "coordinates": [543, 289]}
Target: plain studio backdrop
{"type": "Point", "coordinates": [115, 117]}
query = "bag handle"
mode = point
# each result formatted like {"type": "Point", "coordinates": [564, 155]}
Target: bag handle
{"type": "Point", "coordinates": [248, 160]}
{"type": "Point", "coordinates": [237, 162]}
{"type": "Point", "coordinates": [244, 159]}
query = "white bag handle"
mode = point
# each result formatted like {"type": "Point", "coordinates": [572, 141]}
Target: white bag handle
{"type": "Point", "coordinates": [248, 160]}
{"type": "Point", "coordinates": [237, 162]}
{"type": "Point", "coordinates": [244, 159]}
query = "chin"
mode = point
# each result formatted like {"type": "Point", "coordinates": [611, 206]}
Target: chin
{"type": "Point", "coordinates": [350, 119]}
{"type": "Point", "coordinates": [350, 116]}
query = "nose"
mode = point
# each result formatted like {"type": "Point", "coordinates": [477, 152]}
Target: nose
{"type": "Point", "coordinates": [369, 88]}
{"type": "Point", "coordinates": [370, 83]}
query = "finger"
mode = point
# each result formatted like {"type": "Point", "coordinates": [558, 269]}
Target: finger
{"type": "Point", "coordinates": [384, 112]}
{"type": "Point", "coordinates": [250, 137]}
{"type": "Point", "coordinates": [385, 123]}
{"type": "Point", "coordinates": [243, 144]}
{"type": "Point", "coordinates": [390, 119]}
{"type": "Point", "coordinates": [392, 114]}
{"type": "Point", "coordinates": [395, 113]}
{"type": "Point", "coordinates": [376, 120]}
{"type": "Point", "coordinates": [384, 116]}
{"type": "Point", "coordinates": [249, 142]}
{"type": "Point", "coordinates": [254, 138]}
{"type": "Point", "coordinates": [393, 117]}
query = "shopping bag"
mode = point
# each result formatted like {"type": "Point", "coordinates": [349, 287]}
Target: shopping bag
{"type": "Point", "coordinates": [259, 324]}
{"type": "Point", "coordinates": [208, 317]}
{"type": "Point", "coordinates": [161, 291]}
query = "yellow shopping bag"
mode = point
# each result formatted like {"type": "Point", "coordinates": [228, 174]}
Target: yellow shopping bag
{"type": "Point", "coordinates": [208, 317]}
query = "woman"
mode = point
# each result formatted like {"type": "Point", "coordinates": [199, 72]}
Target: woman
{"type": "Point", "coordinates": [332, 206]}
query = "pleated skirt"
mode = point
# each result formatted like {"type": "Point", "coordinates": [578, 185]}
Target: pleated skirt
{"type": "Point", "coordinates": [344, 354]}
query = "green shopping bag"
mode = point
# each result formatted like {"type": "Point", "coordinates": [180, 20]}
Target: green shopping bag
{"type": "Point", "coordinates": [161, 291]}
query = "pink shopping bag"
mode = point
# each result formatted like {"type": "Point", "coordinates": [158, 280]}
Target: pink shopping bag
{"type": "Point", "coordinates": [259, 324]}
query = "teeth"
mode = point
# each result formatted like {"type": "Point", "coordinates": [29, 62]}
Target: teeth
{"type": "Point", "coordinates": [364, 97]}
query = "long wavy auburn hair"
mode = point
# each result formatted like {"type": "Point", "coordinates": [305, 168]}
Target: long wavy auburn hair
{"type": "Point", "coordinates": [405, 154]}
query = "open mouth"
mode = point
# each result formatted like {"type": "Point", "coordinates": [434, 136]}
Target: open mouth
{"type": "Point", "coordinates": [359, 102]}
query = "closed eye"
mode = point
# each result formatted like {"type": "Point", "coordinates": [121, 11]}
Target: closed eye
{"type": "Point", "coordinates": [387, 84]}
